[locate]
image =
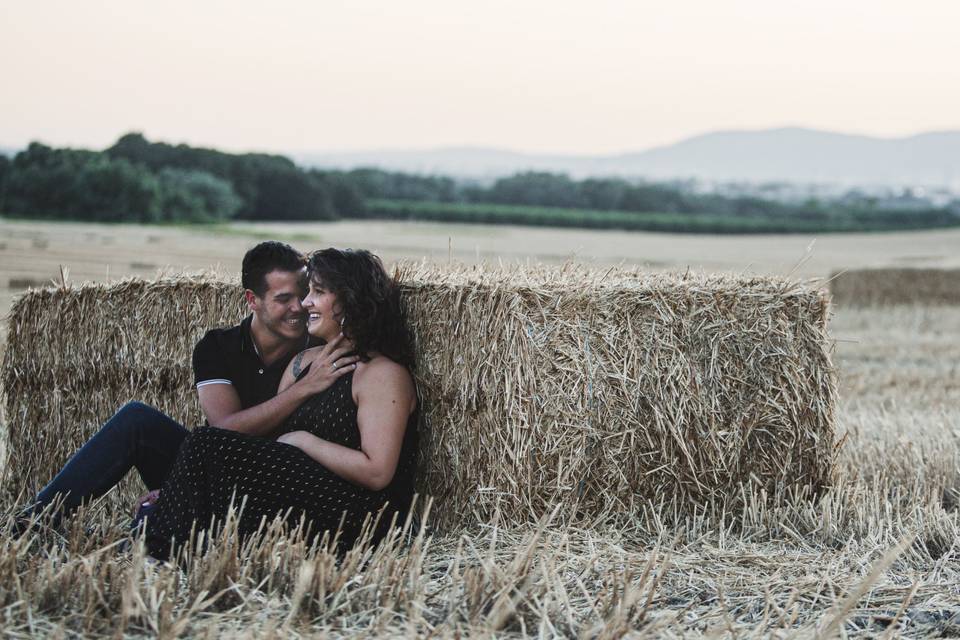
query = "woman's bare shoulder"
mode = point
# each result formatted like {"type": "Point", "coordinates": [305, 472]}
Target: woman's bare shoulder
{"type": "Point", "coordinates": [380, 372]}
{"type": "Point", "coordinates": [379, 367]}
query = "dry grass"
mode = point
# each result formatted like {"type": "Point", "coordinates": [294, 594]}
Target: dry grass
{"type": "Point", "coordinates": [769, 571]}
{"type": "Point", "coordinates": [877, 556]}
{"type": "Point", "coordinates": [902, 359]}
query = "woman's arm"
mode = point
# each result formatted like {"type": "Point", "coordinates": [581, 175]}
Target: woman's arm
{"type": "Point", "coordinates": [385, 397]}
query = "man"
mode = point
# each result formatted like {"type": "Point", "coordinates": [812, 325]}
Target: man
{"type": "Point", "coordinates": [236, 371]}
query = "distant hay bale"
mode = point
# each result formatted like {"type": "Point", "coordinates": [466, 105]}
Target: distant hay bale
{"type": "Point", "coordinates": [25, 283]}
{"type": "Point", "coordinates": [895, 285]}
{"type": "Point", "coordinates": [601, 391]}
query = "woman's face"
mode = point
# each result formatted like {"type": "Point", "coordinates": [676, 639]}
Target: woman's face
{"type": "Point", "coordinates": [323, 312]}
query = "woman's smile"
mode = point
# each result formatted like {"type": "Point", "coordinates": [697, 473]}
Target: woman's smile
{"type": "Point", "coordinates": [314, 323]}
{"type": "Point", "coordinates": [319, 305]}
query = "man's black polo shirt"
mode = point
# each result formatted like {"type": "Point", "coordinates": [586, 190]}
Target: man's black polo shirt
{"type": "Point", "coordinates": [228, 356]}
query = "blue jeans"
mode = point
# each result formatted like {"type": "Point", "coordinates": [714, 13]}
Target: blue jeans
{"type": "Point", "coordinates": [136, 436]}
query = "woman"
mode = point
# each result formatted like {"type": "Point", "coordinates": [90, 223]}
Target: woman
{"type": "Point", "coordinates": [344, 453]}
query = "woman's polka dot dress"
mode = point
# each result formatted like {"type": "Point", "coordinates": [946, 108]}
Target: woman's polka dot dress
{"type": "Point", "coordinates": [216, 466]}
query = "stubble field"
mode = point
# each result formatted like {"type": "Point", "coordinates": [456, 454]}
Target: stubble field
{"type": "Point", "coordinates": [878, 555]}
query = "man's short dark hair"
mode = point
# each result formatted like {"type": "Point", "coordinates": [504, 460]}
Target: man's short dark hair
{"type": "Point", "coordinates": [266, 257]}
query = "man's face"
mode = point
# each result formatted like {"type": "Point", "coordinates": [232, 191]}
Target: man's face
{"type": "Point", "coordinates": [278, 310]}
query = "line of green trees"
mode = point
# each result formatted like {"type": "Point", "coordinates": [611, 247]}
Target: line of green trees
{"type": "Point", "coordinates": [141, 181]}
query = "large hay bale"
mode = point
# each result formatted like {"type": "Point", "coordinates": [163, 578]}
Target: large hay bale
{"type": "Point", "coordinates": [597, 390]}
{"type": "Point", "coordinates": [75, 354]}
{"type": "Point", "coordinates": [895, 285]}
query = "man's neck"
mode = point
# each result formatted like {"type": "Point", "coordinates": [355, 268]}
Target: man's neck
{"type": "Point", "coordinates": [269, 346]}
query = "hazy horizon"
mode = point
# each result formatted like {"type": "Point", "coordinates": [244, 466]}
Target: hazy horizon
{"type": "Point", "coordinates": [454, 147]}
{"type": "Point", "coordinates": [539, 77]}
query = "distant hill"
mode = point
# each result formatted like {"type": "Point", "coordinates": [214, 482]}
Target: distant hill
{"type": "Point", "coordinates": [788, 154]}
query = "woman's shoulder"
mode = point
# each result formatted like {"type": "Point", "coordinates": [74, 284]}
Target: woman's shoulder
{"type": "Point", "coordinates": [381, 377]}
{"type": "Point", "coordinates": [380, 370]}
{"type": "Point", "coordinates": [380, 365]}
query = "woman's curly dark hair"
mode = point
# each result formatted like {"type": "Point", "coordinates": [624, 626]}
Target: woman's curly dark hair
{"type": "Point", "coordinates": [374, 318]}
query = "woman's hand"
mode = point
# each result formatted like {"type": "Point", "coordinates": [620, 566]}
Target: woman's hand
{"type": "Point", "coordinates": [147, 499]}
{"type": "Point", "coordinates": [294, 438]}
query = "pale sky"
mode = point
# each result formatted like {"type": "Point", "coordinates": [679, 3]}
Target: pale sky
{"type": "Point", "coordinates": [593, 77]}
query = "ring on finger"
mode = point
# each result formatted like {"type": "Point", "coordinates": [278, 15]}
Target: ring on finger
{"type": "Point", "coordinates": [333, 365]}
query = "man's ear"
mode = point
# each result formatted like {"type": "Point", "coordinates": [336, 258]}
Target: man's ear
{"type": "Point", "coordinates": [253, 302]}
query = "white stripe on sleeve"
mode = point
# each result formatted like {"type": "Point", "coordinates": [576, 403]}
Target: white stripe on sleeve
{"type": "Point", "coordinates": [204, 383]}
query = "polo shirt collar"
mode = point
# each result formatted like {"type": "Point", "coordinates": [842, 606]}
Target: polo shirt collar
{"type": "Point", "coordinates": [248, 346]}
{"type": "Point", "coordinates": [246, 337]}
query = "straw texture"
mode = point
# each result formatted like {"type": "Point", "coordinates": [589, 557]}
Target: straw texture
{"type": "Point", "coordinates": [599, 391]}
{"type": "Point", "coordinates": [892, 286]}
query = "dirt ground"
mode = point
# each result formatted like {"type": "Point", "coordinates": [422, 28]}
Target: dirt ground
{"type": "Point", "coordinates": [34, 250]}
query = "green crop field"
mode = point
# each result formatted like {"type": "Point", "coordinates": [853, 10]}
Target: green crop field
{"type": "Point", "coordinates": [640, 221]}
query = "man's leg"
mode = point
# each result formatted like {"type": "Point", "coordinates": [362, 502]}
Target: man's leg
{"type": "Point", "coordinates": [136, 436]}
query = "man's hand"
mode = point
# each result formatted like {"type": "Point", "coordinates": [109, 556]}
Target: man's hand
{"type": "Point", "coordinates": [221, 404]}
{"type": "Point", "coordinates": [329, 363]}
